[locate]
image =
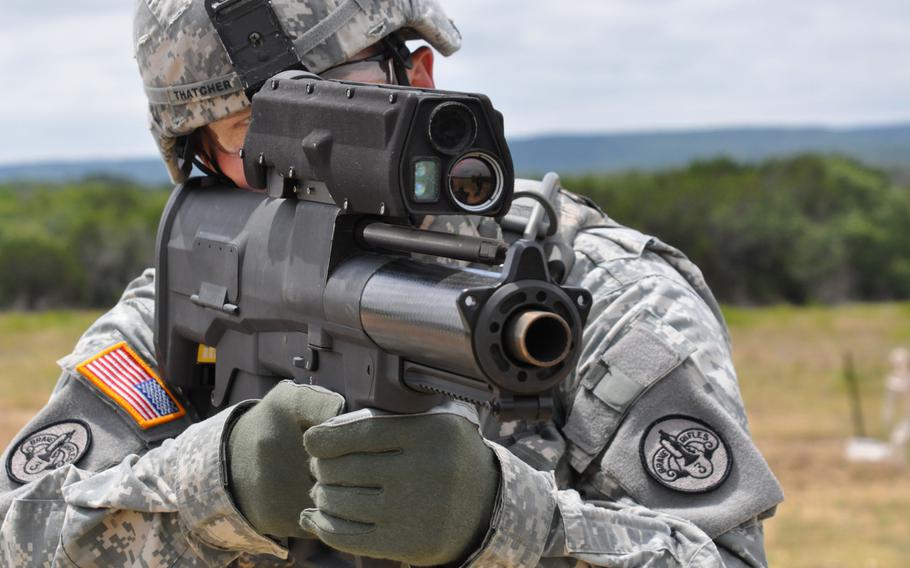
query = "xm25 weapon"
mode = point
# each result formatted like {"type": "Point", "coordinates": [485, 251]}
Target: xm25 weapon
{"type": "Point", "coordinates": [319, 278]}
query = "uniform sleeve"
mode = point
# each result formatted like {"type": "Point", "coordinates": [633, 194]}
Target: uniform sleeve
{"type": "Point", "coordinates": [662, 470]}
{"type": "Point", "coordinates": [111, 493]}
{"type": "Point", "coordinates": [536, 524]}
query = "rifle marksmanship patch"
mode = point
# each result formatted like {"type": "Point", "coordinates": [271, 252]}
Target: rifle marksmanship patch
{"type": "Point", "coordinates": [50, 447]}
{"type": "Point", "coordinates": [133, 385]}
{"type": "Point", "coordinates": [685, 454]}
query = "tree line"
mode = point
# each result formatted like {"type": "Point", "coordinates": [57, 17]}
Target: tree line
{"type": "Point", "coordinates": [74, 244]}
{"type": "Point", "coordinates": [805, 229]}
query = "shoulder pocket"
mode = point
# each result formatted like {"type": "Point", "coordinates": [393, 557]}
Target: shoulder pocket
{"type": "Point", "coordinates": [605, 244]}
{"type": "Point", "coordinates": [642, 354]}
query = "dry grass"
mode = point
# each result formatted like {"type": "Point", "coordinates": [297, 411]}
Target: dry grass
{"type": "Point", "coordinates": [789, 360]}
{"type": "Point", "coordinates": [29, 346]}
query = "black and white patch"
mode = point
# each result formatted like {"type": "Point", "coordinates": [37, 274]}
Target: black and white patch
{"type": "Point", "coordinates": [685, 454]}
{"type": "Point", "coordinates": [48, 448]}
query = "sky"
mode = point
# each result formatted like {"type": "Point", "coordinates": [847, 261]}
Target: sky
{"type": "Point", "coordinates": [71, 89]}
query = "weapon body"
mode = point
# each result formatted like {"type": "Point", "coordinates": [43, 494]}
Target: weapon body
{"type": "Point", "coordinates": [315, 279]}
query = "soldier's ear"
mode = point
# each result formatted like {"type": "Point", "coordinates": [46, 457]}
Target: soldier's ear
{"type": "Point", "coordinates": [421, 74]}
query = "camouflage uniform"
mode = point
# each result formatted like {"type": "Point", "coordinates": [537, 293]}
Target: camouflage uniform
{"type": "Point", "coordinates": [582, 489]}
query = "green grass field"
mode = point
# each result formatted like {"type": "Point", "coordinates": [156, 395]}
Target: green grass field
{"type": "Point", "coordinates": [789, 361]}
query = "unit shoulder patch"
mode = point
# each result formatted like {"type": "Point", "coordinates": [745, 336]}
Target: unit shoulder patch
{"type": "Point", "coordinates": [685, 454]}
{"type": "Point", "coordinates": [50, 447]}
{"type": "Point", "coordinates": [124, 377]}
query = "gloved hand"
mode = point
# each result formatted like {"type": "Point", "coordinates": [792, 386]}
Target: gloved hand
{"type": "Point", "coordinates": [270, 473]}
{"type": "Point", "coordinates": [419, 489]}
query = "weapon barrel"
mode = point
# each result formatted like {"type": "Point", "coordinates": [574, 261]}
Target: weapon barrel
{"type": "Point", "coordinates": [539, 338]}
{"type": "Point", "coordinates": [412, 309]}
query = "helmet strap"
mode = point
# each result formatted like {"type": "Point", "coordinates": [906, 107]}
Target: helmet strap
{"type": "Point", "coordinates": [185, 150]}
{"type": "Point", "coordinates": [215, 173]}
{"type": "Point", "coordinates": [194, 146]}
{"type": "Point", "coordinates": [401, 58]}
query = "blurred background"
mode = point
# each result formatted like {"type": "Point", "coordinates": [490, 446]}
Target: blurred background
{"type": "Point", "coordinates": [769, 140]}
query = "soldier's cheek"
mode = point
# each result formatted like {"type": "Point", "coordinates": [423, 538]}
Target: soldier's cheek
{"type": "Point", "coordinates": [232, 166]}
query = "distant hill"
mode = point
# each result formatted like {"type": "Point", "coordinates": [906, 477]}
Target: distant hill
{"type": "Point", "coordinates": [145, 171]}
{"type": "Point", "coordinates": [885, 147]}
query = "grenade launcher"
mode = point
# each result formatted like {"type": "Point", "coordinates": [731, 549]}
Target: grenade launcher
{"type": "Point", "coordinates": [324, 275]}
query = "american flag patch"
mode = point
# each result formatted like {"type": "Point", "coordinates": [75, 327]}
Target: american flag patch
{"type": "Point", "coordinates": [124, 376]}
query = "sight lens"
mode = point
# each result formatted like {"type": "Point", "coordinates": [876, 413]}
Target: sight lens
{"type": "Point", "coordinates": [452, 128]}
{"type": "Point", "coordinates": [475, 182]}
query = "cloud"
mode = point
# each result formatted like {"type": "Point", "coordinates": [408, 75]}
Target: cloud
{"type": "Point", "coordinates": [631, 65]}
{"type": "Point", "coordinates": [73, 89]}
{"type": "Point", "coordinates": [586, 65]}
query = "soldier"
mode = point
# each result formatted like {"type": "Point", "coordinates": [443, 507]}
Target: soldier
{"type": "Point", "coordinates": [647, 462]}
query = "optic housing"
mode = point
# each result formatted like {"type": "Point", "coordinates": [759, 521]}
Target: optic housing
{"type": "Point", "coordinates": [385, 150]}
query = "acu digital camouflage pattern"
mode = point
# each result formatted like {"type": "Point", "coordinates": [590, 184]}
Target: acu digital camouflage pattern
{"type": "Point", "coordinates": [189, 79]}
{"type": "Point", "coordinates": [558, 505]}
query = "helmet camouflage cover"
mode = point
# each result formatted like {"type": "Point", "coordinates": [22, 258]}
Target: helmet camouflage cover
{"type": "Point", "coordinates": [189, 79]}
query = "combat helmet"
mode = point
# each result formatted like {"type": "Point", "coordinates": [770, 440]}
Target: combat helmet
{"type": "Point", "coordinates": [189, 78]}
